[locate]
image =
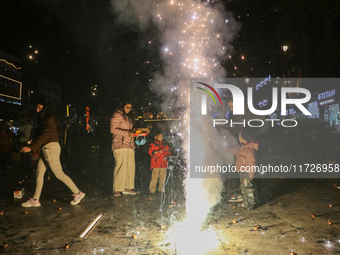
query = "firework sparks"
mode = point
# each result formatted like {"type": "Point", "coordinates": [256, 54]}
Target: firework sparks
{"type": "Point", "coordinates": [195, 40]}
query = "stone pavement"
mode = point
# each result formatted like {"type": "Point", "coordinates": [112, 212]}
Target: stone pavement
{"type": "Point", "coordinates": [132, 224]}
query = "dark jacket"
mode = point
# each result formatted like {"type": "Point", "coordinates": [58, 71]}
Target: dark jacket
{"type": "Point", "coordinates": [49, 133]}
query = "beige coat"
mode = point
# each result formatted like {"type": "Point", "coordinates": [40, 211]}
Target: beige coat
{"type": "Point", "coordinates": [120, 128]}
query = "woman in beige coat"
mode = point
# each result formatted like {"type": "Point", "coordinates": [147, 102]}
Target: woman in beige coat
{"type": "Point", "coordinates": [123, 147]}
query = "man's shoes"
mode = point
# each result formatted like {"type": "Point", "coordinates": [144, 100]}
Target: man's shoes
{"type": "Point", "coordinates": [152, 191]}
{"type": "Point", "coordinates": [129, 192]}
{"type": "Point", "coordinates": [236, 199]}
{"type": "Point", "coordinates": [77, 198]}
{"type": "Point", "coordinates": [31, 203]}
{"type": "Point", "coordinates": [117, 194]}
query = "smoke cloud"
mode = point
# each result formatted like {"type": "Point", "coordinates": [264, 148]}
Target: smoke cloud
{"type": "Point", "coordinates": [195, 39]}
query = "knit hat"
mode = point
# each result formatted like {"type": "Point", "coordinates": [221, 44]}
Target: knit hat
{"type": "Point", "coordinates": [247, 135]}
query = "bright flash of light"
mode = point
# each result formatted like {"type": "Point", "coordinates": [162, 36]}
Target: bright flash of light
{"type": "Point", "coordinates": [187, 238]}
{"type": "Point", "coordinates": [198, 36]}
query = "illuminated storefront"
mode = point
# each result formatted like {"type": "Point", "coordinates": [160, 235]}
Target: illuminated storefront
{"type": "Point", "coordinates": [328, 102]}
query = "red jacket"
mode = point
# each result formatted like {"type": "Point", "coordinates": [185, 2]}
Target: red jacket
{"type": "Point", "coordinates": [159, 160]}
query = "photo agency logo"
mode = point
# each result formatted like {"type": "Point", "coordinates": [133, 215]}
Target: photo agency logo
{"type": "Point", "coordinates": [204, 97]}
{"type": "Point", "coordinates": [287, 101]}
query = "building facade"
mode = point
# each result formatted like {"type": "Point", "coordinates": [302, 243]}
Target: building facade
{"type": "Point", "coordinates": [51, 92]}
{"type": "Point", "coordinates": [11, 85]}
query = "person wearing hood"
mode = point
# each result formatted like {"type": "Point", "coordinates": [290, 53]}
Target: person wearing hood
{"type": "Point", "coordinates": [123, 147]}
{"type": "Point", "coordinates": [246, 160]}
{"type": "Point", "coordinates": [47, 140]}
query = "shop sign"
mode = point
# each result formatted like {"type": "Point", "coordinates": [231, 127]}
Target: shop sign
{"type": "Point", "coordinates": [327, 102]}
{"type": "Point", "coordinates": [263, 82]}
{"type": "Point", "coordinates": [327, 97]}
{"type": "Point", "coordinates": [263, 103]}
{"type": "Point", "coordinates": [88, 118]}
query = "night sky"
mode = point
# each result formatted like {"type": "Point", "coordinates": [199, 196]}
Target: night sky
{"type": "Point", "coordinates": [80, 44]}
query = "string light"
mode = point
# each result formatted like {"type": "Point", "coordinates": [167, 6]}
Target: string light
{"type": "Point", "coordinates": [8, 63]}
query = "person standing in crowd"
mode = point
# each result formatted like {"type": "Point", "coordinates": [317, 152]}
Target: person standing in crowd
{"type": "Point", "coordinates": [47, 140]}
{"type": "Point", "coordinates": [5, 144]}
{"type": "Point", "coordinates": [25, 135]}
{"type": "Point", "coordinates": [69, 139]}
{"type": "Point", "coordinates": [123, 147]}
{"type": "Point", "coordinates": [103, 136]}
{"type": "Point", "coordinates": [159, 153]}
{"type": "Point", "coordinates": [246, 160]}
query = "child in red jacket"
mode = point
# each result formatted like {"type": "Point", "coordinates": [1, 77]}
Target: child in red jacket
{"type": "Point", "coordinates": [159, 153]}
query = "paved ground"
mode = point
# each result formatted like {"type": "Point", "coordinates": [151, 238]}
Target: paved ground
{"type": "Point", "coordinates": [285, 216]}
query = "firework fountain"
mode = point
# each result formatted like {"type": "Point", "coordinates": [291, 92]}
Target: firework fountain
{"type": "Point", "coordinates": [195, 39]}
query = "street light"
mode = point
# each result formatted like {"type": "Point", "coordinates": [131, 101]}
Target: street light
{"type": "Point", "coordinates": [285, 48]}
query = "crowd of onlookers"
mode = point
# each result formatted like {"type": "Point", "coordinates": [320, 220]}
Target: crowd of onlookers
{"type": "Point", "coordinates": [76, 143]}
